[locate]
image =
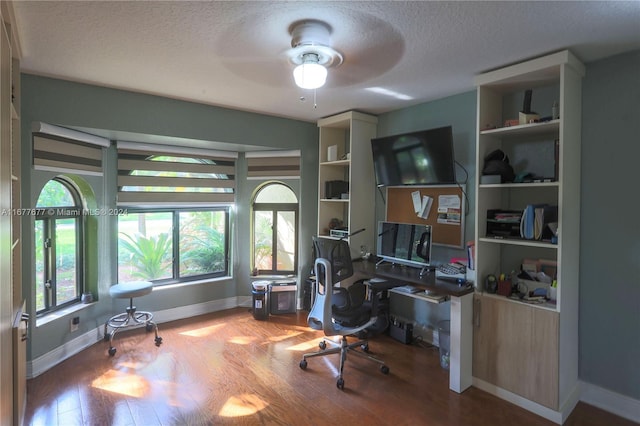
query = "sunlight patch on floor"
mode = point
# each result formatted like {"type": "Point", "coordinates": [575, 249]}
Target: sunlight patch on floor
{"type": "Point", "coordinates": [284, 336]}
{"type": "Point", "coordinates": [302, 328]}
{"type": "Point", "coordinates": [242, 405]}
{"type": "Point", "coordinates": [133, 365]}
{"type": "Point", "coordinates": [305, 346]}
{"type": "Point", "coordinates": [202, 332]}
{"type": "Point", "coordinates": [242, 340]}
{"type": "Point", "coordinates": [122, 383]}
{"type": "Point", "coordinates": [330, 363]}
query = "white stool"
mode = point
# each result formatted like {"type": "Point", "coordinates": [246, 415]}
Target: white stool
{"type": "Point", "coordinates": [130, 318]}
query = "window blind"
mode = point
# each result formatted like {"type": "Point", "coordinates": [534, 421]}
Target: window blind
{"type": "Point", "coordinates": [63, 154]}
{"type": "Point", "coordinates": [150, 174]}
{"type": "Point", "coordinates": [273, 164]}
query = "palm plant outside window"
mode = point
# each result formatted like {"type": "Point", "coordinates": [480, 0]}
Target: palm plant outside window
{"type": "Point", "coordinates": [172, 245]}
{"type": "Point", "coordinates": [175, 242]}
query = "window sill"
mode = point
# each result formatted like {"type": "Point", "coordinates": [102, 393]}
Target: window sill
{"type": "Point", "coordinates": [273, 277]}
{"type": "Point", "coordinates": [190, 283]}
{"type": "Point", "coordinates": [53, 316]}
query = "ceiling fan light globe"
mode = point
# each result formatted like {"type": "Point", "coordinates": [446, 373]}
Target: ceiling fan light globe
{"type": "Point", "coordinates": [310, 75]}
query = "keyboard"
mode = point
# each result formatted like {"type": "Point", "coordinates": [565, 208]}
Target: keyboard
{"type": "Point", "coordinates": [407, 289]}
{"type": "Point", "coordinates": [451, 269]}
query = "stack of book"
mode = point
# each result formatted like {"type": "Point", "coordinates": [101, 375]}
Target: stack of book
{"type": "Point", "coordinates": [535, 221]}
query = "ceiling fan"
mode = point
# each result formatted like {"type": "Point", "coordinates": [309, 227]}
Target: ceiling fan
{"type": "Point", "coordinates": [347, 46]}
{"type": "Point", "coordinates": [312, 53]}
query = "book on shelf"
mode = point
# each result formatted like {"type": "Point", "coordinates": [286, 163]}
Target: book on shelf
{"type": "Point", "coordinates": [535, 221]}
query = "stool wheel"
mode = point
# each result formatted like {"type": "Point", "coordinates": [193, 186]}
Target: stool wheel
{"type": "Point", "coordinates": [149, 327]}
{"type": "Point", "coordinates": [112, 351]}
{"type": "Point", "coordinates": [158, 341]}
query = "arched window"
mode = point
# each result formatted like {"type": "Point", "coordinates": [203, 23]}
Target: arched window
{"type": "Point", "coordinates": [275, 230]}
{"type": "Point", "coordinates": [58, 246]}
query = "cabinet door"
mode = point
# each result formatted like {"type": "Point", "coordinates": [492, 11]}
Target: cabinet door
{"type": "Point", "coordinates": [542, 383]}
{"type": "Point", "coordinates": [515, 347]}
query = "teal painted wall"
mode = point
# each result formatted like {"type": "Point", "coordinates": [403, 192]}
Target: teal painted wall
{"type": "Point", "coordinates": [72, 104]}
{"type": "Point", "coordinates": [458, 111]}
{"type": "Point", "coordinates": [610, 237]}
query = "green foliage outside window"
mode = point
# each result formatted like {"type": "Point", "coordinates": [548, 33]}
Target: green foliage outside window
{"type": "Point", "coordinates": [150, 256]}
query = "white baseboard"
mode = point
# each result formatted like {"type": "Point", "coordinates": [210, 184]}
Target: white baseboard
{"type": "Point", "coordinates": [45, 362]}
{"type": "Point", "coordinates": [612, 402]}
{"type": "Point", "coordinates": [541, 410]}
{"type": "Point", "coordinates": [50, 359]}
{"type": "Point", "coordinates": [189, 311]}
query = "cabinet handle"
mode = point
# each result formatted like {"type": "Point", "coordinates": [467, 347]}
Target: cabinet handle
{"type": "Point", "coordinates": [476, 313]}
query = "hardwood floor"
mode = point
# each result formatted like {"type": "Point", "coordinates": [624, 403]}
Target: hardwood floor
{"type": "Point", "coordinates": [228, 368]}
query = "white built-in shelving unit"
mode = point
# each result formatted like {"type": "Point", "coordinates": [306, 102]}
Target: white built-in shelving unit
{"type": "Point", "coordinates": [528, 353]}
{"type": "Point", "coordinates": [350, 133]}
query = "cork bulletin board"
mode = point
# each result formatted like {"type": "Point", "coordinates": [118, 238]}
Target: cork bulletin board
{"type": "Point", "coordinates": [446, 214]}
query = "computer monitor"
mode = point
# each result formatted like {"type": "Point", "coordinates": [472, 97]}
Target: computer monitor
{"type": "Point", "coordinates": [404, 243]}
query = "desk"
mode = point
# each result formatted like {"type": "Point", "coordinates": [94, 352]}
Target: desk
{"type": "Point", "coordinates": [460, 362]}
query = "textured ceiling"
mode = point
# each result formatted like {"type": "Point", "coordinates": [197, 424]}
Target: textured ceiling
{"type": "Point", "coordinates": [232, 54]}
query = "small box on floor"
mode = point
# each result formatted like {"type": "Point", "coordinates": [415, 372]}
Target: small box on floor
{"type": "Point", "coordinates": [401, 332]}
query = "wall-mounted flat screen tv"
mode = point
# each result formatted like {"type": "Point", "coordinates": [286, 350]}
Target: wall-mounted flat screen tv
{"type": "Point", "coordinates": [404, 243]}
{"type": "Point", "coordinates": [418, 158]}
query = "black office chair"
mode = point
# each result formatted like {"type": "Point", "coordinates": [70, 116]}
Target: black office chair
{"type": "Point", "coordinates": [340, 311]}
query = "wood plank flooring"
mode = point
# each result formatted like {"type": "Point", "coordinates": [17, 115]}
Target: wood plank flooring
{"type": "Point", "coordinates": [227, 368]}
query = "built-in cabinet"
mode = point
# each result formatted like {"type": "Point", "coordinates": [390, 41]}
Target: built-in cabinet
{"type": "Point", "coordinates": [13, 321]}
{"type": "Point", "coordinates": [516, 348]}
{"type": "Point", "coordinates": [345, 156]}
{"type": "Point", "coordinates": [530, 349]}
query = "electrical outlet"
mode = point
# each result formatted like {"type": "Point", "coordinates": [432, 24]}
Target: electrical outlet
{"type": "Point", "coordinates": [75, 322]}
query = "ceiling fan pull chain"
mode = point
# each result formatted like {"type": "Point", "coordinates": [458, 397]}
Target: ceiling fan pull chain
{"type": "Point", "coordinates": [315, 104]}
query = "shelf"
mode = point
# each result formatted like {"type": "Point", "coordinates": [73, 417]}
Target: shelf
{"type": "Point", "coordinates": [338, 163]}
{"type": "Point", "coordinates": [552, 126]}
{"type": "Point", "coordinates": [334, 200]}
{"type": "Point", "coordinates": [547, 306]}
{"type": "Point", "coordinates": [329, 237]}
{"type": "Point", "coordinates": [519, 185]}
{"type": "Point", "coordinates": [421, 295]}
{"type": "Point", "coordinates": [348, 136]}
{"type": "Point", "coordinates": [518, 242]}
